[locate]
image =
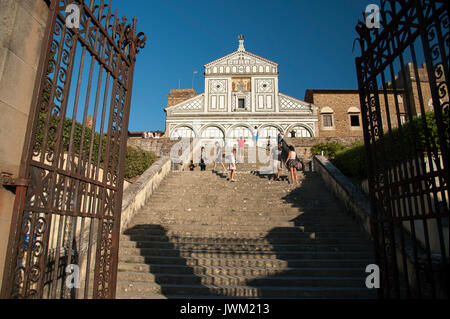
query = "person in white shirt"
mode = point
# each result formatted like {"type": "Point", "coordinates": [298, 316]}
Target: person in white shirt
{"type": "Point", "coordinates": [232, 165]}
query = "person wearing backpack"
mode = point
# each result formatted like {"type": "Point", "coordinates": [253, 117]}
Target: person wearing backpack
{"type": "Point", "coordinates": [291, 164]}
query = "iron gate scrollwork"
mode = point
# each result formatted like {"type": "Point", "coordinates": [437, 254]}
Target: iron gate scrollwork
{"type": "Point", "coordinates": [66, 222]}
{"type": "Point", "coordinates": [405, 113]}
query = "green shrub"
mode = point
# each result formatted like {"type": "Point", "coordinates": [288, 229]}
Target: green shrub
{"type": "Point", "coordinates": [401, 144]}
{"type": "Point", "coordinates": [352, 162]}
{"type": "Point", "coordinates": [329, 149]}
{"type": "Point", "coordinates": [137, 161]}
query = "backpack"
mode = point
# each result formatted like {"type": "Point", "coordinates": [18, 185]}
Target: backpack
{"type": "Point", "coordinates": [299, 165]}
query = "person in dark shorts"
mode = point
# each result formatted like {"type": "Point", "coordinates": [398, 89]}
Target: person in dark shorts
{"type": "Point", "coordinates": [290, 164]}
{"type": "Point", "coordinates": [203, 160]}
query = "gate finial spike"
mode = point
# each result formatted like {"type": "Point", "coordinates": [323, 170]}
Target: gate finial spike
{"type": "Point", "coordinates": [134, 23]}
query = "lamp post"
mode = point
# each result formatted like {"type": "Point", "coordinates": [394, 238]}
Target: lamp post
{"type": "Point", "coordinates": [193, 75]}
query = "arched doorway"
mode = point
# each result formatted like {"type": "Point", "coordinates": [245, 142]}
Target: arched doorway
{"type": "Point", "coordinates": [182, 132]}
{"type": "Point", "coordinates": [211, 134]}
{"type": "Point", "coordinates": [240, 131]}
{"type": "Point", "coordinates": [268, 133]}
{"type": "Point", "coordinates": [299, 131]}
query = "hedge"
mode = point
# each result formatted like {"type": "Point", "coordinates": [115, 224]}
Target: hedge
{"type": "Point", "coordinates": [352, 161]}
{"type": "Point", "coordinates": [399, 145]}
{"type": "Point", "coordinates": [137, 161]}
{"type": "Point", "coordinates": [329, 149]}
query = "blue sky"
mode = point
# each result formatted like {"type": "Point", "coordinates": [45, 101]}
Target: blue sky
{"type": "Point", "coordinates": [310, 40]}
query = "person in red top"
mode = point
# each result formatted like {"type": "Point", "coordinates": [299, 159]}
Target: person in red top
{"type": "Point", "coordinates": [241, 143]}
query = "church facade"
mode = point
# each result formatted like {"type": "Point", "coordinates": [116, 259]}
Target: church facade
{"type": "Point", "coordinates": [241, 99]}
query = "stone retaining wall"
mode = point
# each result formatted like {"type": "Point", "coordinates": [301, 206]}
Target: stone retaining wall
{"type": "Point", "coordinates": [159, 146]}
{"type": "Point", "coordinates": [135, 196]}
{"type": "Point", "coordinates": [356, 202]}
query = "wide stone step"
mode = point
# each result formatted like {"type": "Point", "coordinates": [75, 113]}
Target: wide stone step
{"type": "Point", "coordinates": [128, 278]}
{"type": "Point", "coordinates": [243, 271]}
{"type": "Point", "coordinates": [240, 222]}
{"type": "Point", "coordinates": [148, 255]}
{"type": "Point", "coordinates": [211, 222]}
{"type": "Point", "coordinates": [247, 237]}
{"type": "Point", "coordinates": [141, 262]}
{"type": "Point", "coordinates": [155, 241]}
{"type": "Point", "coordinates": [247, 292]}
{"type": "Point", "coordinates": [207, 228]}
{"type": "Point", "coordinates": [130, 295]}
{"type": "Point", "coordinates": [232, 215]}
{"type": "Point", "coordinates": [157, 247]}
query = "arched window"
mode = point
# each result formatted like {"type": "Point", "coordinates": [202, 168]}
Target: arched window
{"type": "Point", "coordinates": [268, 132]}
{"type": "Point", "coordinates": [239, 131]}
{"type": "Point", "coordinates": [212, 133]}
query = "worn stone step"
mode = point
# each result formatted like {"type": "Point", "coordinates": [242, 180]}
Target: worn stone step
{"type": "Point", "coordinates": [172, 248]}
{"type": "Point", "coordinates": [244, 271]}
{"type": "Point", "coordinates": [277, 234]}
{"type": "Point", "coordinates": [250, 237]}
{"type": "Point", "coordinates": [240, 222]}
{"type": "Point", "coordinates": [130, 295]}
{"type": "Point", "coordinates": [231, 214]}
{"type": "Point", "coordinates": [207, 228]}
{"type": "Point", "coordinates": [241, 280]}
{"type": "Point", "coordinates": [245, 291]}
{"type": "Point", "coordinates": [148, 256]}
{"type": "Point", "coordinates": [149, 242]}
{"type": "Point", "coordinates": [142, 262]}
{"type": "Point", "coordinates": [213, 222]}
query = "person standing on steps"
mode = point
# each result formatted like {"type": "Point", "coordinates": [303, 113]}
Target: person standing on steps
{"type": "Point", "coordinates": [291, 164]}
{"type": "Point", "coordinates": [241, 144]}
{"type": "Point", "coordinates": [268, 144]}
{"type": "Point", "coordinates": [280, 137]}
{"type": "Point", "coordinates": [203, 159]}
{"type": "Point", "coordinates": [276, 157]}
{"type": "Point", "coordinates": [232, 165]}
{"type": "Point", "coordinates": [256, 136]}
{"type": "Point", "coordinates": [218, 159]}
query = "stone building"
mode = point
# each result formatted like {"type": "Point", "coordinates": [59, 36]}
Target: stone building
{"type": "Point", "coordinates": [339, 110]}
{"type": "Point", "coordinates": [241, 98]}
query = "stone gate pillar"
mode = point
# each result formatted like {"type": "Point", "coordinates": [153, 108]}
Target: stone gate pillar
{"type": "Point", "coordinates": [22, 27]}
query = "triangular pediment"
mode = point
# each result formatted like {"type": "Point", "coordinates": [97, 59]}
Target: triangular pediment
{"type": "Point", "coordinates": [241, 62]}
{"type": "Point", "coordinates": [291, 104]}
{"type": "Point", "coordinates": [195, 104]}
{"type": "Point", "coordinates": [247, 57]}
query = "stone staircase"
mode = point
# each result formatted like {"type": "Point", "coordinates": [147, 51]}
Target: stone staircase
{"type": "Point", "coordinates": [201, 236]}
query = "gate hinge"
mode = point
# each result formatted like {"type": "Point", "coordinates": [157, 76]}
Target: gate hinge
{"type": "Point", "coordinates": [7, 179]}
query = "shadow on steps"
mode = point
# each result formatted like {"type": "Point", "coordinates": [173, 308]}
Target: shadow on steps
{"type": "Point", "coordinates": [328, 250]}
{"type": "Point", "coordinates": [142, 236]}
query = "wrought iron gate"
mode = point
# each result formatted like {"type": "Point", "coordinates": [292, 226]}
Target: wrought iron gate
{"type": "Point", "coordinates": [405, 112]}
{"type": "Point", "coordinates": [66, 219]}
